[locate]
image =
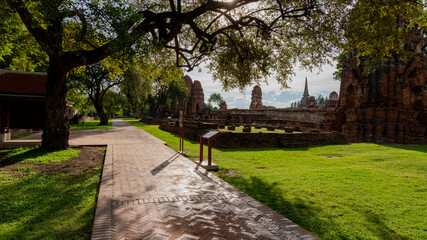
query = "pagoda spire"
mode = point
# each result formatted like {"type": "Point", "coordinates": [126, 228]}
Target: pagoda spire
{"type": "Point", "coordinates": [306, 94]}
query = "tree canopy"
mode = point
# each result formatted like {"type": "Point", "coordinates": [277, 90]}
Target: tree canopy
{"type": "Point", "coordinates": [215, 98]}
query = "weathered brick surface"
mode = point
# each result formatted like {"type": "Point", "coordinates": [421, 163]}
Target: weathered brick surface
{"type": "Point", "coordinates": [245, 116]}
{"type": "Point", "coordinates": [277, 140]}
{"type": "Point", "coordinates": [387, 106]}
{"type": "Point", "coordinates": [256, 98]}
{"type": "Point", "coordinates": [196, 100]}
{"type": "Point", "coordinates": [148, 191]}
{"type": "Point", "coordinates": [258, 140]}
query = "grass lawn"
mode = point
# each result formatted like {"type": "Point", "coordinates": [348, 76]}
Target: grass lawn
{"type": "Point", "coordinates": [89, 125]}
{"type": "Point", "coordinates": [22, 135]}
{"type": "Point", "coordinates": [355, 191]}
{"type": "Point", "coordinates": [39, 201]}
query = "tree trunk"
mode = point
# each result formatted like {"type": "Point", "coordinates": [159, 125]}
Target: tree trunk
{"type": "Point", "coordinates": [99, 107]}
{"type": "Point", "coordinates": [55, 128]}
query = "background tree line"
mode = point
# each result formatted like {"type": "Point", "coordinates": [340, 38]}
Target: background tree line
{"type": "Point", "coordinates": [320, 101]}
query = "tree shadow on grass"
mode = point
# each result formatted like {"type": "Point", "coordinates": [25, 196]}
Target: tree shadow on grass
{"type": "Point", "coordinates": [379, 229]}
{"type": "Point", "coordinates": [48, 207]}
{"type": "Point", "coordinates": [304, 213]}
{"type": "Point", "coordinates": [417, 148]}
{"type": "Point", "coordinates": [9, 157]}
{"type": "Point", "coordinates": [308, 214]}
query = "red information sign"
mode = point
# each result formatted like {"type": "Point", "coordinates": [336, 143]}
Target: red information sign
{"type": "Point", "coordinates": [209, 136]}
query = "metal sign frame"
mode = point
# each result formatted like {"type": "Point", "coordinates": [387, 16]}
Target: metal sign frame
{"type": "Point", "coordinates": [211, 135]}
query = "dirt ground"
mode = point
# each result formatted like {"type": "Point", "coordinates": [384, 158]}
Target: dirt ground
{"type": "Point", "coordinates": [90, 157]}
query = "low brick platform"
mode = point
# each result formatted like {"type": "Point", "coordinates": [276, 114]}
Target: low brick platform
{"type": "Point", "coordinates": [148, 191]}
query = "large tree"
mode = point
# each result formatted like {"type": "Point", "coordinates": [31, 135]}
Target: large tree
{"type": "Point", "coordinates": [136, 88]}
{"type": "Point", "coordinates": [96, 80]}
{"type": "Point", "coordinates": [166, 96]}
{"type": "Point", "coordinates": [245, 40]}
{"type": "Point", "coordinates": [215, 98]}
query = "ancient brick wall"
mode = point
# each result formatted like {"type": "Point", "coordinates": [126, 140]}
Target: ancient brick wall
{"type": "Point", "coordinates": [277, 140]}
{"type": "Point", "coordinates": [387, 106]}
{"type": "Point", "coordinates": [150, 121]}
{"type": "Point", "coordinates": [193, 131]}
{"type": "Point", "coordinates": [244, 116]}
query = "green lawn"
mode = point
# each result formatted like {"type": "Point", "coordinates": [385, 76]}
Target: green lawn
{"type": "Point", "coordinates": [22, 135]}
{"type": "Point", "coordinates": [45, 206]}
{"type": "Point", "coordinates": [89, 125]}
{"type": "Point", "coordinates": [355, 191]}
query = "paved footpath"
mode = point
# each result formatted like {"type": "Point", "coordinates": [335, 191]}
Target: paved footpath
{"type": "Point", "coordinates": [148, 191]}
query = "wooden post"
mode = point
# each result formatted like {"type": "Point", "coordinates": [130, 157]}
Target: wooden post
{"type": "Point", "coordinates": [180, 137]}
{"type": "Point", "coordinates": [181, 131]}
{"type": "Point", "coordinates": [209, 152]}
{"type": "Point", "coordinates": [182, 142]}
{"type": "Point", "coordinates": [201, 149]}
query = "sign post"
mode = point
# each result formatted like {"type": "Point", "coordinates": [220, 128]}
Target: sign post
{"type": "Point", "coordinates": [181, 131]}
{"type": "Point", "coordinates": [211, 135]}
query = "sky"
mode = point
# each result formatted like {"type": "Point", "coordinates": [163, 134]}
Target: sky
{"type": "Point", "coordinates": [319, 82]}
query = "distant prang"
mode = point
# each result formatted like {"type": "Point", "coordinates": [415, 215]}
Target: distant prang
{"type": "Point", "coordinates": [196, 100]}
{"type": "Point", "coordinates": [307, 101]}
{"type": "Point", "coordinates": [256, 99]}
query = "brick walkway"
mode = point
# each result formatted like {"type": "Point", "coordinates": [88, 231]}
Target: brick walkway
{"type": "Point", "coordinates": [148, 191]}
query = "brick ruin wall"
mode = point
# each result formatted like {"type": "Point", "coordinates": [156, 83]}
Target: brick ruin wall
{"type": "Point", "coordinates": [387, 106]}
{"type": "Point", "coordinates": [308, 118]}
{"type": "Point", "coordinates": [193, 131]}
{"type": "Point", "coordinates": [277, 140]}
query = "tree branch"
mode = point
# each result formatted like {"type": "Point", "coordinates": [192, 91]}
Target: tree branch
{"type": "Point", "coordinates": [40, 34]}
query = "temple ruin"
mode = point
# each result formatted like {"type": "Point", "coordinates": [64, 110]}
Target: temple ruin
{"type": "Point", "coordinates": [256, 98]}
{"type": "Point", "coordinates": [196, 101]}
{"type": "Point", "coordinates": [305, 96]}
{"type": "Point", "coordinates": [388, 105]}
{"type": "Point", "coordinates": [223, 106]}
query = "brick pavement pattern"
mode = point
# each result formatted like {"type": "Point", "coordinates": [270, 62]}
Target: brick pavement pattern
{"type": "Point", "coordinates": [148, 191]}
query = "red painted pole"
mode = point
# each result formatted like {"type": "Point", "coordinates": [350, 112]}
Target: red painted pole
{"type": "Point", "coordinates": [201, 149]}
{"type": "Point", "coordinates": [209, 152]}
